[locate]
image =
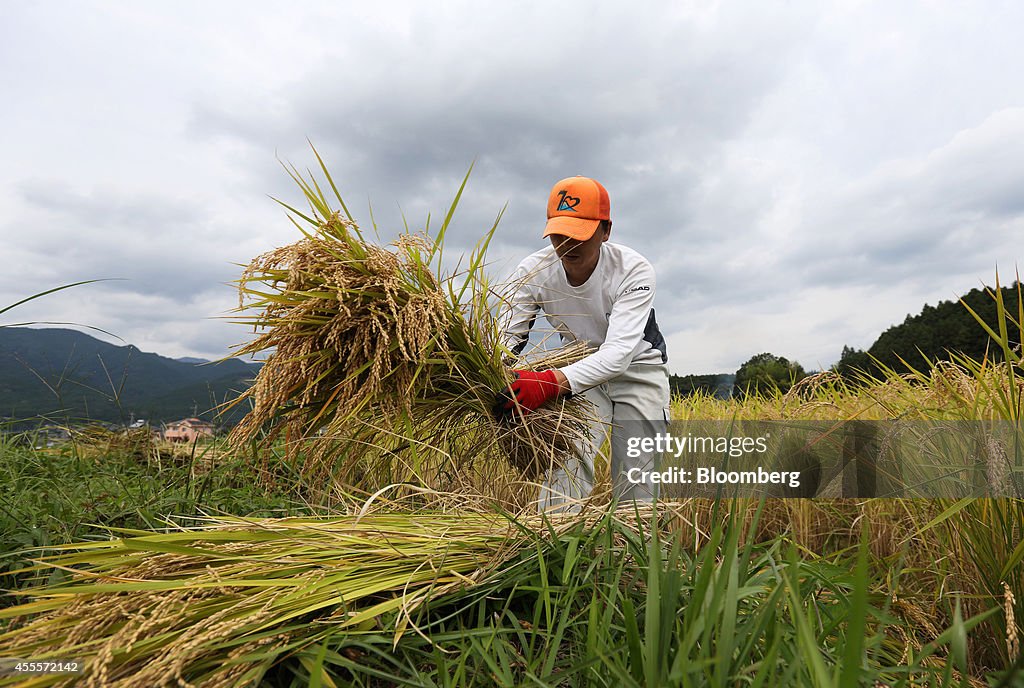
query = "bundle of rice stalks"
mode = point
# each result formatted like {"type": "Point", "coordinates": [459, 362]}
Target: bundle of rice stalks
{"type": "Point", "coordinates": [220, 604]}
{"type": "Point", "coordinates": [601, 597]}
{"type": "Point", "coordinates": [383, 368]}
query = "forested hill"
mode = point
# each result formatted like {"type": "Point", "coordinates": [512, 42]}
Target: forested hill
{"type": "Point", "coordinates": [66, 375]}
{"type": "Point", "coordinates": [935, 332]}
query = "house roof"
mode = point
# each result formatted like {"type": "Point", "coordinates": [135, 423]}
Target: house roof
{"type": "Point", "coordinates": [191, 422]}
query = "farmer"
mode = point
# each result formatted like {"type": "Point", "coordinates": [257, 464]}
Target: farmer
{"type": "Point", "coordinates": [601, 293]}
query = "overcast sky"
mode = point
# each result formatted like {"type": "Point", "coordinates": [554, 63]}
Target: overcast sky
{"type": "Point", "coordinates": [802, 174]}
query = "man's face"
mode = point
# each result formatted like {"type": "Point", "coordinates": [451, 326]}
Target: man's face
{"type": "Point", "coordinates": [579, 258]}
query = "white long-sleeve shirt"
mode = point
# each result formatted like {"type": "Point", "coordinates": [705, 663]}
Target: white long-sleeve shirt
{"type": "Point", "coordinates": [612, 311]}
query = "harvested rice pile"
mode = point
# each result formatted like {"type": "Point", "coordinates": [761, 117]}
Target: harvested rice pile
{"type": "Point", "coordinates": [382, 368]}
{"type": "Point", "coordinates": [219, 605]}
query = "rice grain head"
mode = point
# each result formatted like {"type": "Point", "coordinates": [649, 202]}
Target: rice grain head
{"type": "Point", "coordinates": [381, 367]}
{"type": "Point", "coordinates": [1012, 637]}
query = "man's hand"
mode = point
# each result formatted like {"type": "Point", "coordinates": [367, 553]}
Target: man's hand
{"type": "Point", "coordinates": [529, 390]}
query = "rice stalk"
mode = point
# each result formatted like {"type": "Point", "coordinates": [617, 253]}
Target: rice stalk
{"type": "Point", "coordinates": [381, 367]}
{"type": "Point", "coordinates": [229, 599]}
{"type": "Point", "coordinates": [224, 604]}
{"type": "Point", "coordinates": [1012, 638]}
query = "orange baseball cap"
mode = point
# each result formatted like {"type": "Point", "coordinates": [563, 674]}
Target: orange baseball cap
{"type": "Point", "coordinates": [576, 207]}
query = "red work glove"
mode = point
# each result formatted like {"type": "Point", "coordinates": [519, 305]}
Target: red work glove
{"type": "Point", "coordinates": [530, 390]}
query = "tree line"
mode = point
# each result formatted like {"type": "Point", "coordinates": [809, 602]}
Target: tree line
{"type": "Point", "coordinates": [935, 334]}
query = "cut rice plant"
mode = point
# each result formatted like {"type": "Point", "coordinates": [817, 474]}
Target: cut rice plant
{"type": "Point", "coordinates": [604, 597]}
{"type": "Point", "coordinates": [382, 367]}
{"type": "Point", "coordinates": [218, 605]}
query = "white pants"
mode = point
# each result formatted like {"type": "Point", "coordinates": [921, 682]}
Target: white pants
{"type": "Point", "coordinates": [633, 405]}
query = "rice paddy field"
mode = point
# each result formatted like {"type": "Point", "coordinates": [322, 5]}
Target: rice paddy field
{"type": "Point", "coordinates": [371, 522]}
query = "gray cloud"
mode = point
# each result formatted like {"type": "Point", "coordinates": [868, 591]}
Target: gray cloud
{"type": "Point", "coordinates": [955, 211]}
{"type": "Point", "coordinates": [164, 246]}
{"type": "Point", "coordinates": [531, 103]}
{"type": "Point", "coordinates": [802, 176]}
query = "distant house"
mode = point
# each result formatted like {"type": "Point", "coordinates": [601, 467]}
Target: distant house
{"type": "Point", "coordinates": [188, 430]}
{"type": "Point", "coordinates": [51, 435]}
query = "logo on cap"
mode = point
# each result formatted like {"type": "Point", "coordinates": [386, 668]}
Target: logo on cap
{"type": "Point", "coordinates": [567, 202]}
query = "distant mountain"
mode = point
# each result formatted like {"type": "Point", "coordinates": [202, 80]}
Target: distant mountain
{"type": "Point", "coordinates": [67, 375]}
{"type": "Point", "coordinates": [935, 332]}
{"type": "Point", "coordinates": [191, 359]}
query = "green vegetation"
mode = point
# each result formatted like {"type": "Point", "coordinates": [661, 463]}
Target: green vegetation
{"type": "Point", "coordinates": [765, 373]}
{"type": "Point", "coordinates": [938, 333]}
{"type": "Point", "coordinates": [702, 594]}
{"type": "Point", "coordinates": [616, 604]}
{"type": "Point", "coordinates": [55, 496]}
